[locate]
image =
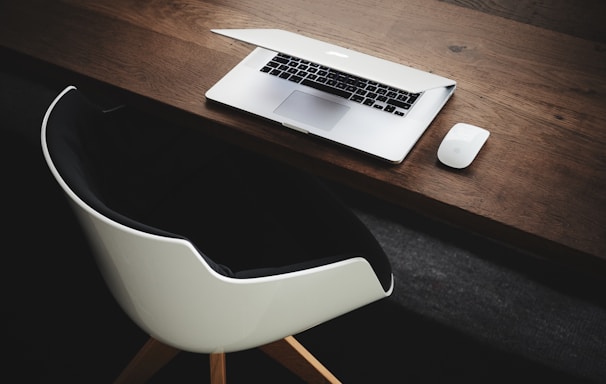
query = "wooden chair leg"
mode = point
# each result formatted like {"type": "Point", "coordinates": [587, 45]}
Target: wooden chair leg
{"type": "Point", "coordinates": [150, 358]}
{"type": "Point", "coordinates": [217, 368]}
{"type": "Point", "coordinates": [291, 354]}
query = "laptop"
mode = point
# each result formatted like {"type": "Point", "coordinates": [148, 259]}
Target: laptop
{"type": "Point", "coordinates": [371, 105]}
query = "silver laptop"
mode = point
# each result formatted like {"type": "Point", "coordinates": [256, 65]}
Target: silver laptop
{"type": "Point", "coordinates": [363, 102]}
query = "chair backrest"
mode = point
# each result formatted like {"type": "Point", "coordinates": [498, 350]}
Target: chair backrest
{"type": "Point", "coordinates": [167, 286]}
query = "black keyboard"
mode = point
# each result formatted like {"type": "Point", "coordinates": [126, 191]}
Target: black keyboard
{"type": "Point", "coordinates": [370, 93]}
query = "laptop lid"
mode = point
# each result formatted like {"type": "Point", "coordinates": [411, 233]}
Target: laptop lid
{"type": "Point", "coordinates": [342, 59]}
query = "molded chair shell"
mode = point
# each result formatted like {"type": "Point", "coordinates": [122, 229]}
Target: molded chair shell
{"type": "Point", "coordinates": [169, 290]}
{"type": "Point", "coordinates": [167, 287]}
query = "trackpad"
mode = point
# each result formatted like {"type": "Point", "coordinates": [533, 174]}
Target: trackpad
{"type": "Point", "coordinates": [311, 110]}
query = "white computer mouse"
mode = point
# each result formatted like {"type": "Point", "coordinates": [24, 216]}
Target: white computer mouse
{"type": "Point", "coordinates": [461, 145]}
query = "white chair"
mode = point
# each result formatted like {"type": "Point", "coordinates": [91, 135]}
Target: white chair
{"type": "Point", "coordinates": [180, 297]}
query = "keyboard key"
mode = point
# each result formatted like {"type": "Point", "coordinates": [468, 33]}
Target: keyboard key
{"type": "Point", "coordinates": [398, 103]}
{"type": "Point", "coordinates": [325, 88]}
{"type": "Point", "coordinates": [389, 108]}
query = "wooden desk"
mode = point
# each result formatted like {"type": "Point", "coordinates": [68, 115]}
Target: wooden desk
{"type": "Point", "coordinates": [540, 181]}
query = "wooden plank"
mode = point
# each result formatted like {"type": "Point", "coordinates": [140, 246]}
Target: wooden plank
{"type": "Point", "coordinates": [539, 181]}
{"type": "Point", "coordinates": [581, 19]}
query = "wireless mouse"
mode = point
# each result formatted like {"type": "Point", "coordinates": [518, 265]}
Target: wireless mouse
{"type": "Point", "coordinates": [461, 145]}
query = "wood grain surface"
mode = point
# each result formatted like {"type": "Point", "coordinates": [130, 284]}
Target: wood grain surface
{"type": "Point", "coordinates": [533, 73]}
